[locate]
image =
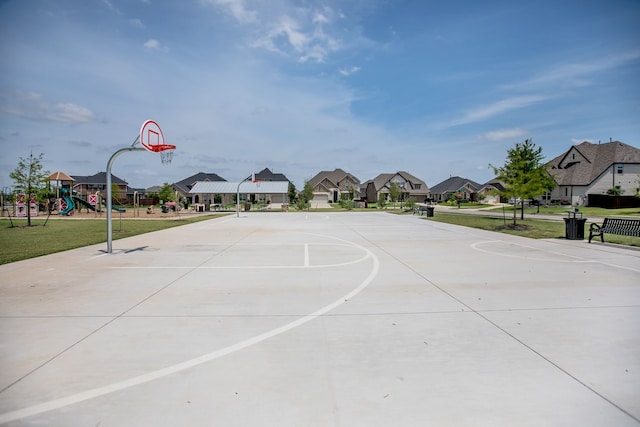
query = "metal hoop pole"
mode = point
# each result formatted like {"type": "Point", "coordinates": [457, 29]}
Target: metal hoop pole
{"type": "Point", "coordinates": [109, 203]}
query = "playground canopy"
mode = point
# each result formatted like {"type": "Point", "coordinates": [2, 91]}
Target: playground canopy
{"type": "Point", "coordinates": [60, 176]}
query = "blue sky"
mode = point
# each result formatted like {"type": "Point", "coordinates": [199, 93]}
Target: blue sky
{"type": "Point", "coordinates": [435, 88]}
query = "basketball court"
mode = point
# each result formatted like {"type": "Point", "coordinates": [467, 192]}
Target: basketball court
{"type": "Point", "coordinates": [322, 319]}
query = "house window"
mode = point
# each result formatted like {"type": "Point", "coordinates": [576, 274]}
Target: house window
{"type": "Point", "coordinates": [620, 168]}
{"type": "Point", "coordinates": [417, 186]}
{"type": "Point", "coordinates": [546, 196]}
{"type": "Point", "coordinates": [566, 191]}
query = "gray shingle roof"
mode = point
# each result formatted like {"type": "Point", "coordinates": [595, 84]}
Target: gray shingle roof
{"type": "Point", "coordinates": [583, 163]}
{"type": "Point", "coordinates": [99, 178]}
{"type": "Point", "coordinates": [453, 184]}
{"type": "Point", "coordinates": [334, 177]}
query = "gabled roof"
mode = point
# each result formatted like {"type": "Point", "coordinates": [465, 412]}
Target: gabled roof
{"type": "Point", "coordinates": [335, 177]}
{"type": "Point", "coordinates": [495, 183]}
{"type": "Point", "coordinates": [383, 179]}
{"type": "Point", "coordinates": [185, 185]}
{"type": "Point", "coordinates": [453, 184]}
{"type": "Point", "coordinates": [266, 175]}
{"type": "Point", "coordinates": [248, 187]}
{"type": "Point", "coordinates": [583, 163]}
{"type": "Point", "coordinates": [99, 178]}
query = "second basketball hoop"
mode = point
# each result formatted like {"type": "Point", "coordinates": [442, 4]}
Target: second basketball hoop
{"type": "Point", "coordinates": [152, 138]}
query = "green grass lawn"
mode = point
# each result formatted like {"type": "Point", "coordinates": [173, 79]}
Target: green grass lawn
{"type": "Point", "coordinates": [22, 242]}
{"type": "Point", "coordinates": [585, 211]}
{"type": "Point", "coordinates": [531, 227]}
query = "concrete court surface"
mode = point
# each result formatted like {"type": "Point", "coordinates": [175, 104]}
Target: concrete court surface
{"type": "Point", "coordinates": [323, 319]}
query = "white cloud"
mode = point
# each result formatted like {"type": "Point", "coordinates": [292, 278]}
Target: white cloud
{"type": "Point", "coordinates": [497, 108]}
{"type": "Point", "coordinates": [154, 44]}
{"type": "Point", "coordinates": [34, 106]}
{"type": "Point", "coordinates": [136, 23]}
{"type": "Point", "coordinates": [237, 9]}
{"type": "Point", "coordinates": [305, 34]}
{"type": "Point", "coordinates": [576, 74]}
{"type": "Point", "coordinates": [349, 70]}
{"type": "Point", "coordinates": [502, 134]}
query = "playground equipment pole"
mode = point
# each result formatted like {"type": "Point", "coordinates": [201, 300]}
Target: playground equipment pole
{"type": "Point", "coordinates": [109, 203]}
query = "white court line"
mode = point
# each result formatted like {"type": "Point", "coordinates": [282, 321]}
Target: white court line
{"type": "Point", "coordinates": [306, 264]}
{"type": "Point", "coordinates": [502, 253]}
{"type": "Point", "coordinates": [576, 259]}
{"type": "Point", "coordinates": [160, 373]}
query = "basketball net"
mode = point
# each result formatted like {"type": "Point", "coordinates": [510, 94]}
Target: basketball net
{"type": "Point", "coordinates": [166, 156]}
{"type": "Point", "coordinates": [166, 152]}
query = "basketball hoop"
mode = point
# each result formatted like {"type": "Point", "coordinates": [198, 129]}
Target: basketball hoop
{"type": "Point", "coordinates": [166, 152]}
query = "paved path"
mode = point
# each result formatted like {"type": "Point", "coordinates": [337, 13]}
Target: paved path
{"type": "Point", "coordinates": [323, 319]}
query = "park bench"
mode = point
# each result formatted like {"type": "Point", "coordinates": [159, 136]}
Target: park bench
{"type": "Point", "coordinates": [621, 226]}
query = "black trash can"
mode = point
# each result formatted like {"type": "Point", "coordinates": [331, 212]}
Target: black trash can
{"type": "Point", "coordinates": [574, 226]}
{"type": "Point", "coordinates": [430, 210]}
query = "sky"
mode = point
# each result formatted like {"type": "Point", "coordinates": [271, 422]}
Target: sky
{"type": "Point", "coordinates": [434, 88]}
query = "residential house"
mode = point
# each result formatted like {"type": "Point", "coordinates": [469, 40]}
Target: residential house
{"type": "Point", "coordinates": [267, 175]}
{"type": "Point", "coordinates": [332, 186]}
{"type": "Point", "coordinates": [410, 186]}
{"type": "Point", "coordinates": [184, 187]}
{"type": "Point", "coordinates": [590, 169]}
{"type": "Point", "coordinates": [86, 185]}
{"type": "Point", "coordinates": [490, 190]}
{"type": "Point", "coordinates": [455, 186]}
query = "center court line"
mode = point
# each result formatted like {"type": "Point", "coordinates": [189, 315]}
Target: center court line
{"type": "Point", "coordinates": [160, 373]}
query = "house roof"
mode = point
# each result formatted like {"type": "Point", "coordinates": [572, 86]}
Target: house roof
{"type": "Point", "coordinates": [99, 178]}
{"type": "Point", "coordinates": [334, 176]}
{"type": "Point", "coordinates": [224, 187]}
{"type": "Point", "coordinates": [583, 163]}
{"type": "Point", "coordinates": [383, 179]}
{"type": "Point", "coordinates": [453, 184]}
{"type": "Point", "coordinates": [495, 183]}
{"type": "Point", "coordinates": [267, 175]}
{"type": "Point", "coordinates": [185, 185]}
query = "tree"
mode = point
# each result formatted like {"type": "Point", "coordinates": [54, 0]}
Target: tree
{"type": "Point", "coordinates": [29, 178]}
{"type": "Point", "coordinates": [395, 191]}
{"type": "Point", "coordinates": [166, 193]}
{"type": "Point", "coordinates": [382, 200]}
{"type": "Point", "coordinates": [523, 174]}
{"type": "Point", "coordinates": [292, 192]}
{"type": "Point", "coordinates": [305, 196]}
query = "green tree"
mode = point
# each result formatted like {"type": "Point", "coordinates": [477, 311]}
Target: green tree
{"type": "Point", "coordinates": [523, 174]}
{"type": "Point", "coordinates": [382, 201]}
{"type": "Point", "coordinates": [292, 193]}
{"type": "Point", "coordinates": [305, 196]}
{"type": "Point", "coordinates": [29, 178]}
{"type": "Point", "coordinates": [116, 193]}
{"type": "Point", "coordinates": [395, 192]}
{"type": "Point", "coordinates": [166, 193]}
